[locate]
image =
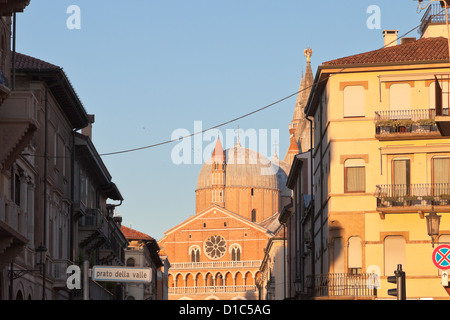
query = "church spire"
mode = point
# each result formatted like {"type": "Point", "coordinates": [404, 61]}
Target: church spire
{"type": "Point", "coordinates": [299, 126]}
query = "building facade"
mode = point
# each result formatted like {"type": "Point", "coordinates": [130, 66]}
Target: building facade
{"type": "Point", "coordinates": [380, 166]}
{"type": "Point", "coordinates": [143, 252]}
{"type": "Point", "coordinates": [217, 253]}
{"type": "Point", "coordinates": [43, 226]}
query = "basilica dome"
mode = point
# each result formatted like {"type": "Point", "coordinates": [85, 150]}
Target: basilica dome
{"type": "Point", "coordinates": [245, 168]}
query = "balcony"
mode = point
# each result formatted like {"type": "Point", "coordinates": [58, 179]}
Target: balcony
{"type": "Point", "coordinates": [18, 123]}
{"type": "Point", "coordinates": [406, 124]}
{"type": "Point", "coordinates": [59, 272]}
{"type": "Point", "coordinates": [8, 7]}
{"type": "Point", "coordinates": [435, 14]}
{"type": "Point", "coordinates": [343, 286]}
{"type": "Point", "coordinates": [215, 265]}
{"type": "Point", "coordinates": [214, 289]}
{"type": "Point", "coordinates": [413, 197]}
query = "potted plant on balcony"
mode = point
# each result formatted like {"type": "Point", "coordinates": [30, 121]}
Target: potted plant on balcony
{"type": "Point", "coordinates": [392, 200]}
{"type": "Point", "coordinates": [428, 199]}
{"type": "Point", "coordinates": [410, 200]}
{"type": "Point", "coordinates": [445, 198]}
{"type": "Point", "coordinates": [425, 125]}
{"type": "Point", "coordinates": [384, 126]}
{"type": "Point", "coordinates": [403, 125]}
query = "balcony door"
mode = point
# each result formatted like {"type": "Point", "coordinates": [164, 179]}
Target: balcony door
{"type": "Point", "coordinates": [401, 177]}
{"type": "Point", "coordinates": [441, 176]}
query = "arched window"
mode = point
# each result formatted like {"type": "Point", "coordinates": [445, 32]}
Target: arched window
{"type": "Point", "coordinates": [394, 253]}
{"type": "Point", "coordinates": [235, 253]}
{"type": "Point", "coordinates": [195, 254]}
{"type": "Point", "coordinates": [354, 255]}
{"type": "Point", "coordinates": [130, 262]}
{"type": "Point", "coordinates": [253, 215]}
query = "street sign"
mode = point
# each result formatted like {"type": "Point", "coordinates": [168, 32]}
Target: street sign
{"type": "Point", "coordinates": [444, 278]}
{"type": "Point", "coordinates": [441, 257]}
{"type": "Point", "coordinates": [121, 274]}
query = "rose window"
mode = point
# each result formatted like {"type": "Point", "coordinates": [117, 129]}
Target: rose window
{"type": "Point", "coordinates": [215, 247]}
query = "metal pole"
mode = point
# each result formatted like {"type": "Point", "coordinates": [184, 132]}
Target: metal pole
{"type": "Point", "coordinates": [86, 280]}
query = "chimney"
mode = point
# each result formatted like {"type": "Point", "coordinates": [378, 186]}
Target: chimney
{"type": "Point", "coordinates": [87, 131]}
{"type": "Point", "coordinates": [408, 40]}
{"type": "Point", "coordinates": [390, 38]}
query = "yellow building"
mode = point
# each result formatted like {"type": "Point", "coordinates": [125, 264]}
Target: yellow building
{"type": "Point", "coordinates": [380, 166]}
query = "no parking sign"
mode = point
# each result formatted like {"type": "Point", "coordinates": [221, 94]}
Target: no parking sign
{"type": "Point", "coordinates": [441, 257]}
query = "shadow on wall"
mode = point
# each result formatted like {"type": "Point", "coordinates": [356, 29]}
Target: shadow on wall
{"type": "Point", "coordinates": [336, 243]}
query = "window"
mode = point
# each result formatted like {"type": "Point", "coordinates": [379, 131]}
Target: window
{"type": "Point", "coordinates": [235, 253]}
{"type": "Point", "coordinates": [16, 189]}
{"type": "Point", "coordinates": [354, 255]}
{"type": "Point", "coordinates": [215, 247]}
{"type": "Point", "coordinates": [401, 177]}
{"type": "Point", "coordinates": [195, 254]}
{"type": "Point", "coordinates": [400, 97]}
{"type": "Point", "coordinates": [445, 87]}
{"type": "Point", "coordinates": [355, 175]}
{"type": "Point", "coordinates": [130, 262]}
{"type": "Point", "coordinates": [394, 253]}
{"type": "Point", "coordinates": [253, 215]}
{"type": "Point", "coordinates": [354, 101]}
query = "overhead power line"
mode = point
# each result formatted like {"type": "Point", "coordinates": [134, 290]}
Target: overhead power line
{"type": "Point", "coordinates": [237, 118]}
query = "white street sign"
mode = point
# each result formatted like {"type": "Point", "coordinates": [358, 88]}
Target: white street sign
{"type": "Point", "coordinates": [121, 274]}
{"type": "Point", "coordinates": [444, 281]}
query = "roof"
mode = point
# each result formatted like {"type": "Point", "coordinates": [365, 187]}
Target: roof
{"type": "Point", "coordinates": [24, 62]}
{"type": "Point", "coordinates": [59, 85]}
{"type": "Point", "coordinates": [244, 168]}
{"type": "Point", "coordinates": [226, 212]}
{"type": "Point", "coordinates": [132, 234]}
{"type": "Point", "coordinates": [423, 50]}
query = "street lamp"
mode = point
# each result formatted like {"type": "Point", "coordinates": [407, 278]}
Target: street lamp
{"type": "Point", "coordinates": [41, 251]}
{"type": "Point", "coordinates": [15, 274]}
{"type": "Point", "coordinates": [433, 221]}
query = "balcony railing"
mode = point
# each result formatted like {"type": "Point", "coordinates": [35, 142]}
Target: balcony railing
{"type": "Point", "coordinates": [215, 264]}
{"type": "Point", "coordinates": [213, 289]}
{"type": "Point", "coordinates": [406, 122]}
{"type": "Point", "coordinates": [402, 195]}
{"type": "Point", "coordinates": [434, 14]}
{"type": "Point", "coordinates": [344, 285]}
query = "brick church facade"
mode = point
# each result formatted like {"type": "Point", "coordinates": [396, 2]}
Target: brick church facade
{"type": "Point", "coordinates": [217, 253]}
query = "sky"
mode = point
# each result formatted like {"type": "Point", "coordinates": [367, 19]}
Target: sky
{"type": "Point", "coordinates": [150, 69]}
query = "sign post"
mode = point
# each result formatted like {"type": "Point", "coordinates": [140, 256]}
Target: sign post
{"type": "Point", "coordinates": [441, 257]}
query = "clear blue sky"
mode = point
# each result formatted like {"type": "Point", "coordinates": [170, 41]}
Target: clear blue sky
{"type": "Point", "coordinates": [146, 68]}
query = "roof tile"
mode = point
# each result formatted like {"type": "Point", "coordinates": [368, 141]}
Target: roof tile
{"type": "Point", "coordinates": [132, 234]}
{"type": "Point", "coordinates": [421, 50]}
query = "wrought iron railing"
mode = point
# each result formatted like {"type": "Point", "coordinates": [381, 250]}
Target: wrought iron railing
{"type": "Point", "coordinates": [434, 14]}
{"type": "Point", "coordinates": [343, 285]}
{"type": "Point", "coordinates": [423, 194]}
{"type": "Point", "coordinates": [406, 121]}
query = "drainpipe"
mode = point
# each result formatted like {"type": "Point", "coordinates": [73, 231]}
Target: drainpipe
{"type": "Point", "coordinates": [311, 204]}
{"type": "Point", "coordinates": [13, 84]}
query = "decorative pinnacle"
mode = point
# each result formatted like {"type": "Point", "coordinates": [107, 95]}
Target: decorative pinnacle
{"type": "Point", "coordinates": [308, 53]}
